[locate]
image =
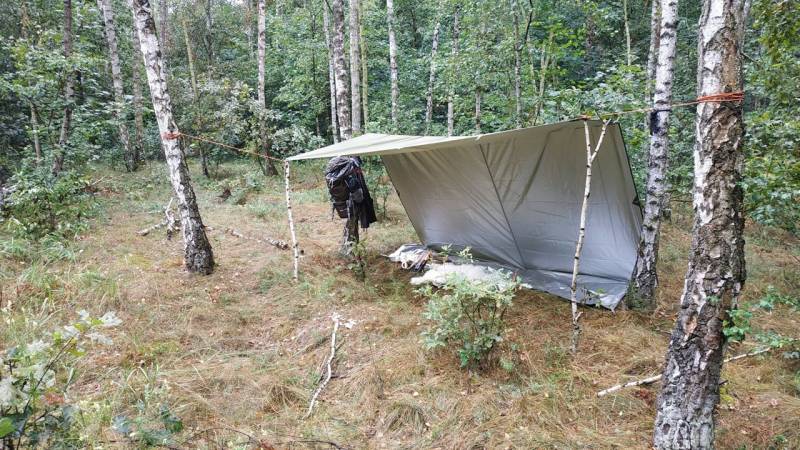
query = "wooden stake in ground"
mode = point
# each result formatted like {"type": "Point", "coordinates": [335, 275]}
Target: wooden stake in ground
{"type": "Point", "coordinates": [295, 249]}
{"type": "Point", "coordinates": [329, 370]}
{"type": "Point", "coordinates": [198, 256]}
{"type": "Point", "coordinates": [590, 156]}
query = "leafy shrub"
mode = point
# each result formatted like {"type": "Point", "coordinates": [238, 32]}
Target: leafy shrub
{"type": "Point", "coordinates": [34, 378]}
{"type": "Point", "coordinates": [42, 204]}
{"type": "Point", "coordinates": [467, 315]}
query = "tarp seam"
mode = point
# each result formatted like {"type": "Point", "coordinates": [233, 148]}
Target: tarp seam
{"type": "Point", "coordinates": [502, 208]}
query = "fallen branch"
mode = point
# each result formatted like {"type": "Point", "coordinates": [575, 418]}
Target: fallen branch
{"type": "Point", "coordinates": [656, 378]}
{"type": "Point", "coordinates": [148, 230]}
{"type": "Point", "coordinates": [328, 363]}
{"type": "Point", "coordinates": [170, 222]}
{"type": "Point", "coordinates": [274, 242]}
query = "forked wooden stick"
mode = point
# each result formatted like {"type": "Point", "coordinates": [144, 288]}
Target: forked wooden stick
{"type": "Point", "coordinates": [328, 363]}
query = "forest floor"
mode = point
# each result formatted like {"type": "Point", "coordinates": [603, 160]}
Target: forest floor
{"type": "Point", "coordinates": [241, 350]}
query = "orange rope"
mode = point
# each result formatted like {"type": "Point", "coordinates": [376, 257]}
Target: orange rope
{"type": "Point", "coordinates": [178, 134]}
{"type": "Point", "coordinates": [721, 97]}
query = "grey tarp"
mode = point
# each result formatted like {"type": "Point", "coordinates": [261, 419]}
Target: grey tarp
{"type": "Point", "coordinates": [514, 197]}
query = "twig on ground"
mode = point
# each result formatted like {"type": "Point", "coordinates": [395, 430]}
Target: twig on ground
{"type": "Point", "coordinates": [656, 378]}
{"type": "Point", "coordinates": [169, 221]}
{"type": "Point", "coordinates": [328, 363]}
{"type": "Point", "coordinates": [274, 242]}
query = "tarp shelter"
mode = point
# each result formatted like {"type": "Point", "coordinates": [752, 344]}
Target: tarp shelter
{"type": "Point", "coordinates": [514, 197]}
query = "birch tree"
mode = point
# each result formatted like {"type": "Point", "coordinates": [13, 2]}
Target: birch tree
{"type": "Point", "coordinates": [451, 90]}
{"type": "Point", "coordinates": [431, 77]}
{"type": "Point", "coordinates": [331, 76]}
{"type": "Point", "coordinates": [645, 275]}
{"type": "Point", "coordinates": [107, 13]}
{"type": "Point", "coordinates": [395, 89]}
{"type": "Point", "coordinates": [69, 94]}
{"type": "Point", "coordinates": [136, 86]}
{"type": "Point", "coordinates": [716, 272]}
{"type": "Point", "coordinates": [652, 53]}
{"type": "Point", "coordinates": [268, 166]}
{"type": "Point", "coordinates": [340, 72]}
{"type": "Point", "coordinates": [355, 66]}
{"type": "Point", "coordinates": [198, 255]}
{"type": "Point", "coordinates": [364, 71]}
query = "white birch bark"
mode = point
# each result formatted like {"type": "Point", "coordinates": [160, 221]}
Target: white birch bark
{"type": "Point", "coordinates": [268, 165]}
{"type": "Point", "coordinates": [107, 13]}
{"type": "Point", "coordinates": [340, 72]}
{"type": "Point", "coordinates": [331, 76]}
{"type": "Point", "coordinates": [395, 89]}
{"type": "Point", "coordinates": [517, 62]}
{"type": "Point", "coordinates": [453, 61]}
{"type": "Point", "coordinates": [198, 255]}
{"type": "Point", "coordinates": [136, 86]}
{"type": "Point", "coordinates": [652, 54]}
{"type": "Point", "coordinates": [590, 156]}
{"type": "Point", "coordinates": [478, 98]}
{"type": "Point", "coordinates": [628, 53]}
{"type": "Point", "coordinates": [364, 71]}
{"type": "Point", "coordinates": [295, 248]}
{"type": "Point", "coordinates": [355, 66]}
{"type": "Point", "coordinates": [645, 274]}
{"type": "Point", "coordinates": [716, 273]}
{"type": "Point", "coordinates": [431, 78]}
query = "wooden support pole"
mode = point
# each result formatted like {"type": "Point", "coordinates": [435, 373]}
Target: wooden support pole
{"type": "Point", "coordinates": [590, 156]}
{"type": "Point", "coordinates": [295, 248]}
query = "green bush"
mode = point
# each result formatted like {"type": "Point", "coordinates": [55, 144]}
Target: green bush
{"type": "Point", "coordinates": [467, 315]}
{"type": "Point", "coordinates": [35, 410]}
{"type": "Point", "coordinates": [45, 205]}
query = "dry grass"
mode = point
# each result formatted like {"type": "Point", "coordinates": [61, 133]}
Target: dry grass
{"type": "Point", "coordinates": [242, 349]}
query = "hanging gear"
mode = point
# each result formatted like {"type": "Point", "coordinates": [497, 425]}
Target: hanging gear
{"type": "Point", "coordinates": [348, 190]}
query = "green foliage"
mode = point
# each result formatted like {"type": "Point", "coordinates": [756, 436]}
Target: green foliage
{"type": "Point", "coordinates": [144, 431]}
{"type": "Point", "coordinates": [34, 378]}
{"type": "Point", "coordinates": [44, 205]}
{"type": "Point", "coordinates": [737, 325]}
{"type": "Point", "coordinates": [467, 315]}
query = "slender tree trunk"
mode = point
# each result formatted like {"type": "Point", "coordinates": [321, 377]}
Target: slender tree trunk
{"type": "Point", "coordinates": [645, 275]}
{"type": "Point", "coordinates": [190, 57]}
{"type": "Point", "coordinates": [628, 53]}
{"type": "Point", "coordinates": [587, 189]}
{"type": "Point", "coordinates": [268, 166]}
{"type": "Point", "coordinates": [331, 75]}
{"type": "Point", "coordinates": [116, 78]}
{"type": "Point", "coordinates": [395, 93]}
{"type": "Point", "coordinates": [198, 255]}
{"type": "Point", "coordinates": [37, 147]}
{"type": "Point", "coordinates": [355, 65]}
{"type": "Point", "coordinates": [432, 77]}
{"type": "Point", "coordinates": [716, 272]}
{"type": "Point", "coordinates": [652, 54]}
{"type": "Point", "coordinates": [209, 35]}
{"type": "Point", "coordinates": [138, 116]}
{"type": "Point", "coordinates": [364, 72]}
{"type": "Point", "coordinates": [478, 98]}
{"type": "Point", "coordinates": [69, 94]}
{"type": "Point", "coordinates": [451, 90]}
{"type": "Point", "coordinates": [340, 72]}
{"type": "Point", "coordinates": [517, 62]}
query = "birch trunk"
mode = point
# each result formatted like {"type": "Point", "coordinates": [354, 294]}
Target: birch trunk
{"type": "Point", "coordinates": [295, 248]}
{"type": "Point", "coordinates": [716, 272]}
{"type": "Point", "coordinates": [395, 93]}
{"type": "Point", "coordinates": [355, 65]}
{"type": "Point", "coordinates": [131, 164]}
{"type": "Point", "coordinates": [652, 54]}
{"type": "Point", "coordinates": [69, 94]}
{"type": "Point", "coordinates": [431, 78]}
{"type": "Point", "coordinates": [163, 25]}
{"type": "Point", "coordinates": [190, 57]}
{"type": "Point", "coordinates": [478, 98]}
{"type": "Point", "coordinates": [198, 255]}
{"type": "Point", "coordinates": [138, 116]}
{"type": "Point", "coordinates": [628, 54]}
{"type": "Point", "coordinates": [340, 72]}
{"type": "Point", "coordinates": [451, 90]}
{"type": "Point", "coordinates": [37, 146]}
{"type": "Point", "coordinates": [268, 166]}
{"type": "Point", "coordinates": [331, 76]}
{"type": "Point", "coordinates": [364, 73]}
{"type": "Point", "coordinates": [590, 156]}
{"type": "Point", "coordinates": [645, 275]}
